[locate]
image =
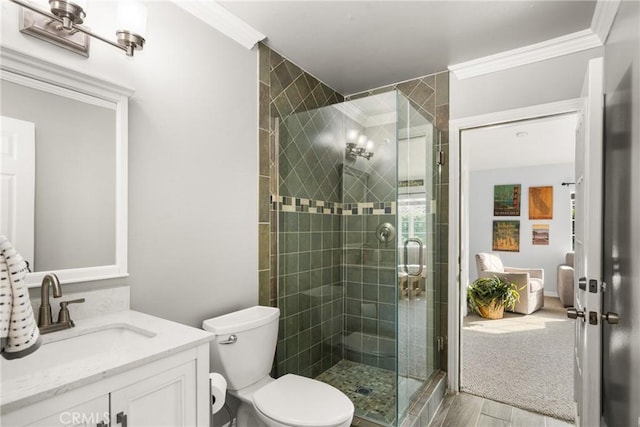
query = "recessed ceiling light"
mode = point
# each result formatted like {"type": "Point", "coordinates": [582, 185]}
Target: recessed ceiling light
{"type": "Point", "coordinates": [522, 134]}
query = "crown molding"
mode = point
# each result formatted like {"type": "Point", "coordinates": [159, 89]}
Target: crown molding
{"type": "Point", "coordinates": [360, 117]}
{"type": "Point", "coordinates": [559, 46]}
{"type": "Point", "coordinates": [601, 23]}
{"type": "Point", "coordinates": [213, 14]}
{"type": "Point", "coordinates": [382, 119]}
{"type": "Point", "coordinates": [353, 112]}
{"type": "Point", "coordinates": [415, 132]}
{"type": "Point", "coordinates": [603, 17]}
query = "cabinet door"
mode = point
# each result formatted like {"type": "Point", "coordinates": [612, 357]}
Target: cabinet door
{"type": "Point", "coordinates": [87, 414]}
{"type": "Point", "coordinates": [166, 399]}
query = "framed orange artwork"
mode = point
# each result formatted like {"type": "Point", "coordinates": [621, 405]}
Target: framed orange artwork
{"type": "Point", "coordinates": [541, 202]}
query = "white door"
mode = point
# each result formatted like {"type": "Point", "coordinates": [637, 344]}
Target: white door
{"type": "Point", "coordinates": [17, 184]}
{"type": "Point", "coordinates": [588, 249]}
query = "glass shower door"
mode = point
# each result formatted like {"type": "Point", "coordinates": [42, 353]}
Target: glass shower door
{"type": "Point", "coordinates": [417, 178]}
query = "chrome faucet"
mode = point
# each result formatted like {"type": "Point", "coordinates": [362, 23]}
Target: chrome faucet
{"type": "Point", "coordinates": [45, 320]}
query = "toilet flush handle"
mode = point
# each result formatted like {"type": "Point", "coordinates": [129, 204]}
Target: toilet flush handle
{"type": "Point", "coordinates": [231, 340]}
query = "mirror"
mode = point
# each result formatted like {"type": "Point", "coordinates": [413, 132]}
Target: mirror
{"type": "Point", "coordinates": [63, 188]}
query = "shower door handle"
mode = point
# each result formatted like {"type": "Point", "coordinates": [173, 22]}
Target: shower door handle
{"type": "Point", "coordinates": [420, 256]}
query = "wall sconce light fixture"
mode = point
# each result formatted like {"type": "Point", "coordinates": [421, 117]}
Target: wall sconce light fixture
{"type": "Point", "coordinates": [358, 145]}
{"type": "Point", "coordinates": [62, 25]}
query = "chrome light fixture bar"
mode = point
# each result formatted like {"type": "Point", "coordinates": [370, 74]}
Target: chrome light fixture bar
{"type": "Point", "coordinates": [353, 151]}
{"type": "Point", "coordinates": [70, 15]}
{"type": "Point", "coordinates": [358, 145]}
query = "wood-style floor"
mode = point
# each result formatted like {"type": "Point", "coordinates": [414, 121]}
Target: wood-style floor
{"type": "Point", "coordinates": [465, 410]}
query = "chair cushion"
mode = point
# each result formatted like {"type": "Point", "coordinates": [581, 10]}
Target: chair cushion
{"type": "Point", "coordinates": [489, 262]}
{"type": "Point", "coordinates": [568, 259]}
{"type": "Point", "coordinates": [536, 285]}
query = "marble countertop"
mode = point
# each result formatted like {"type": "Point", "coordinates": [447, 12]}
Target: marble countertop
{"type": "Point", "coordinates": [49, 371]}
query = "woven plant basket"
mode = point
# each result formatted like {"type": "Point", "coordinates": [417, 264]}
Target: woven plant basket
{"type": "Point", "coordinates": [493, 311]}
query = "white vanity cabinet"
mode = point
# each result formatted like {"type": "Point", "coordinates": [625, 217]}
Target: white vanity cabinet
{"type": "Point", "coordinates": [166, 399]}
{"type": "Point", "coordinates": [85, 414]}
{"type": "Point", "coordinates": [172, 391]}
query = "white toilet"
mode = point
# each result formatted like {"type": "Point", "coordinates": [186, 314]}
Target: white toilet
{"type": "Point", "coordinates": [243, 351]}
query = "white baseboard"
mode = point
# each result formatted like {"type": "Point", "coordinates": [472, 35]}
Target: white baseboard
{"type": "Point", "coordinates": [551, 294]}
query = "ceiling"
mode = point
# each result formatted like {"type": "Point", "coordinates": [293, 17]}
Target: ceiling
{"type": "Point", "coordinates": [549, 140]}
{"type": "Point", "coordinates": [358, 45]}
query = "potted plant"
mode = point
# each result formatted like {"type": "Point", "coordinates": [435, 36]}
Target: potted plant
{"type": "Point", "coordinates": [488, 296]}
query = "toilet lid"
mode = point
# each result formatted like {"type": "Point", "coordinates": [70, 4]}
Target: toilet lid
{"type": "Point", "coordinates": [303, 402]}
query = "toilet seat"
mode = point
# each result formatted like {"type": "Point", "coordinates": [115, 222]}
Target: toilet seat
{"type": "Point", "coordinates": [293, 400]}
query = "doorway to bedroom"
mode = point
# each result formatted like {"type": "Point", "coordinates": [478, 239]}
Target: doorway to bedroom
{"type": "Point", "coordinates": [517, 183]}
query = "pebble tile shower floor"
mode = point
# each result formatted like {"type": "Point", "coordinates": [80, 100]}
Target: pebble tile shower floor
{"type": "Point", "coordinates": [349, 376]}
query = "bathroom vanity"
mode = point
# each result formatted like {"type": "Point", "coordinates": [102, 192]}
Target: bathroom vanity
{"type": "Point", "coordinates": [120, 369]}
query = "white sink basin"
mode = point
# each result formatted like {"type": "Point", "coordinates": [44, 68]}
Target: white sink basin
{"type": "Point", "coordinates": [73, 346]}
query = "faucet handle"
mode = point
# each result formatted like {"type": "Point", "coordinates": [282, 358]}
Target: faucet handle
{"type": "Point", "coordinates": [63, 315]}
{"type": "Point", "coordinates": [63, 304]}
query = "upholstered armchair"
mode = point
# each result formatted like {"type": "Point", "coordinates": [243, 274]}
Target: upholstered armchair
{"type": "Point", "coordinates": [530, 281]}
{"type": "Point", "coordinates": [565, 280]}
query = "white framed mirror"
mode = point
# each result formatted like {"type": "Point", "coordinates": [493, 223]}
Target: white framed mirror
{"type": "Point", "coordinates": [63, 169]}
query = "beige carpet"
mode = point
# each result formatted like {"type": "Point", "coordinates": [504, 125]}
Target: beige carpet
{"type": "Point", "coordinates": [524, 361]}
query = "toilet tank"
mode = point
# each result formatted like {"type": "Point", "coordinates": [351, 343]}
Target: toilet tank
{"type": "Point", "coordinates": [249, 357]}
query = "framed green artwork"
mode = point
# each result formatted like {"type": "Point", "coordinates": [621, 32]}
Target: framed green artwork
{"type": "Point", "coordinates": [506, 200]}
{"type": "Point", "coordinates": [506, 236]}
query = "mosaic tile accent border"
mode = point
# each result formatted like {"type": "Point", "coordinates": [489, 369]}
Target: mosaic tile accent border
{"type": "Point", "coordinates": [299, 204]}
{"type": "Point", "coordinates": [370, 208]}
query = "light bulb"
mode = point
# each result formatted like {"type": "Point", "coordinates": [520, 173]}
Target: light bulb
{"type": "Point", "coordinates": [362, 141]}
{"type": "Point", "coordinates": [352, 135]}
{"type": "Point", "coordinates": [132, 17]}
{"type": "Point", "coordinates": [370, 145]}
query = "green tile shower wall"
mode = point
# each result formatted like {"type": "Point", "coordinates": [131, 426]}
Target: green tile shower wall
{"type": "Point", "coordinates": [311, 292]}
{"type": "Point", "coordinates": [310, 155]}
{"type": "Point", "coordinates": [371, 292]}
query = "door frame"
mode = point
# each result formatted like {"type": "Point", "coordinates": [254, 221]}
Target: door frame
{"type": "Point", "coordinates": [457, 223]}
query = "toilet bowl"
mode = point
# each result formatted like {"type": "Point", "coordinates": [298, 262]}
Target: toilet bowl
{"type": "Point", "coordinates": [293, 400]}
{"type": "Point", "coordinates": [243, 350]}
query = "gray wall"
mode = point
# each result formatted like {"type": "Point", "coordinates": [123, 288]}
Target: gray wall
{"type": "Point", "coordinates": [530, 256]}
{"type": "Point", "coordinates": [621, 349]}
{"type": "Point", "coordinates": [192, 159]}
{"type": "Point", "coordinates": [542, 82]}
{"type": "Point", "coordinates": [75, 193]}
